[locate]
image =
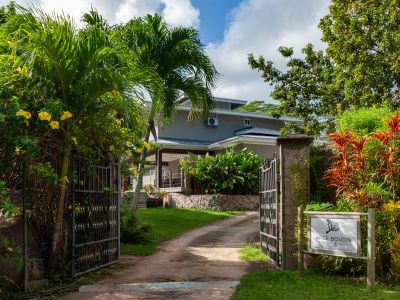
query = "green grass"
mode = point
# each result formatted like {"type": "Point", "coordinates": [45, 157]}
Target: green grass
{"type": "Point", "coordinates": [287, 285]}
{"type": "Point", "coordinates": [253, 253]}
{"type": "Point", "coordinates": [169, 223]}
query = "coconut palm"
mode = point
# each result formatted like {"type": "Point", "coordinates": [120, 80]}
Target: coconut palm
{"type": "Point", "coordinates": [178, 57]}
{"type": "Point", "coordinates": [81, 68]}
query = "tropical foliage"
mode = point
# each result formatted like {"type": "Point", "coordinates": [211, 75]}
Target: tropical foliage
{"type": "Point", "coordinates": [365, 173]}
{"type": "Point", "coordinates": [226, 173]}
{"type": "Point", "coordinates": [305, 90]}
{"type": "Point", "coordinates": [359, 67]}
{"type": "Point", "coordinates": [63, 91]}
{"type": "Point", "coordinates": [177, 56]}
{"type": "Point", "coordinates": [363, 41]}
{"type": "Point", "coordinates": [69, 91]}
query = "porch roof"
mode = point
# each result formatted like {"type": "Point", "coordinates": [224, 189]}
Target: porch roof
{"type": "Point", "coordinates": [247, 138]}
{"type": "Point", "coordinates": [257, 131]}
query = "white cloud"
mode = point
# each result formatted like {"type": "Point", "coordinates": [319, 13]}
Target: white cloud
{"type": "Point", "coordinates": [260, 27]}
{"type": "Point", "coordinates": [136, 8]}
{"type": "Point", "coordinates": [175, 12]}
{"type": "Point", "coordinates": [181, 13]}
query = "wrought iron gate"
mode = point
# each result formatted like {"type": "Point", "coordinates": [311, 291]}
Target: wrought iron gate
{"type": "Point", "coordinates": [95, 216]}
{"type": "Point", "coordinates": [269, 208]}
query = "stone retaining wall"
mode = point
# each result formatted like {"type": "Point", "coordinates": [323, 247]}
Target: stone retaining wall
{"type": "Point", "coordinates": [212, 202]}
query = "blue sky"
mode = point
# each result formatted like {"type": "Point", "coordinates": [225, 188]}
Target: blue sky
{"type": "Point", "coordinates": [230, 30]}
{"type": "Point", "coordinates": [214, 17]}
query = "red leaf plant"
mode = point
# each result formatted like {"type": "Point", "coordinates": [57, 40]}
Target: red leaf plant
{"type": "Point", "coordinates": [348, 167]}
{"type": "Point", "coordinates": [362, 160]}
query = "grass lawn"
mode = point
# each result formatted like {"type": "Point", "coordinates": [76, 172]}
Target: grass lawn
{"type": "Point", "coordinates": [169, 223]}
{"type": "Point", "coordinates": [252, 253]}
{"type": "Point", "coordinates": [287, 285]}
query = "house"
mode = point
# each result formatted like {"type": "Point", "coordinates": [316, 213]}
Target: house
{"type": "Point", "coordinates": [224, 127]}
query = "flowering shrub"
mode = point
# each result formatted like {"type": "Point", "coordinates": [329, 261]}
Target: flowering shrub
{"type": "Point", "coordinates": [366, 172]}
{"type": "Point", "coordinates": [58, 99]}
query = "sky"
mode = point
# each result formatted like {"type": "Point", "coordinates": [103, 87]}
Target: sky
{"type": "Point", "coordinates": [229, 30]}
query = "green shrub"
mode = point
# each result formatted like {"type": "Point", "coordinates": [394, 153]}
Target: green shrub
{"type": "Point", "coordinates": [319, 207]}
{"type": "Point", "coordinates": [363, 120]}
{"type": "Point", "coordinates": [131, 231]}
{"type": "Point", "coordinates": [229, 173]}
{"type": "Point", "coordinates": [7, 208]}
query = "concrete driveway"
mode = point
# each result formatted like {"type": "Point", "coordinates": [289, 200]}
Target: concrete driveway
{"type": "Point", "coordinates": [201, 264]}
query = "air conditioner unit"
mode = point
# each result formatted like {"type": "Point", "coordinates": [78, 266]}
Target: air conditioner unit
{"type": "Point", "coordinates": [212, 121]}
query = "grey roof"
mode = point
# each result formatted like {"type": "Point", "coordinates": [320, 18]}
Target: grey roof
{"type": "Point", "coordinates": [218, 99]}
{"type": "Point", "coordinates": [257, 131]}
{"type": "Point", "coordinates": [176, 142]}
{"type": "Point", "coordinates": [227, 100]}
{"type": "Point", "coordinates": [187, 144]}
{"type": "Point", "coordinates": [245, 114]}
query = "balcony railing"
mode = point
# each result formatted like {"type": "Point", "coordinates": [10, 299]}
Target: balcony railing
{"type": "Point", "coordinates": [173, 180]}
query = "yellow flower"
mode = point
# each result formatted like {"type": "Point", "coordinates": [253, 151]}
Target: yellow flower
{"type": "Point", "coordinates": [146, 145]}
{"type": "Point", "coordinates": [65, 179]}
{"type": "Point", "coordinates": [25, 71]}
{"type": "Point", "coordinates": [10, 249]}
{"type": "Point", "coordinates": [128, 143]}
{"type": "Point", "coordinates": [73, 139]}
{"type": "Point", "coordinates": [18, 150]}
{"type": "Point", "coordinates": [54, 125]}
{"type": "Point", "coordinates": [138, 150]}
{"type": "Point", "coordinates": [44, 116]}
{"type": "Point", "coordinates": [134, 173]}
{"type": "Point", "coordinates": [119, 122]}
{"type": "Point", "coordinates": [66, 115]}
{"type": "Point", "coordinates": [26, 114]}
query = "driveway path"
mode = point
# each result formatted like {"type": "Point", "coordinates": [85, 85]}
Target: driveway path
{"type": "Point", "coordinates": [201, 264]}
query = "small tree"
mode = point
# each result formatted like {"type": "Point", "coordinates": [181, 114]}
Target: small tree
{"type": "Point", "coordinates": [179, 59]}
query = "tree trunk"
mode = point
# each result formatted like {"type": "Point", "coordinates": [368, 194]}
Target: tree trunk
{"type": "Point", "coordinates": [58, 224]}
{"type": "Point", "coordinates": [140, 170]}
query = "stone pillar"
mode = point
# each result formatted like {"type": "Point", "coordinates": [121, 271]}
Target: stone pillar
{"type": "Point", "coordinates": [294, 191]}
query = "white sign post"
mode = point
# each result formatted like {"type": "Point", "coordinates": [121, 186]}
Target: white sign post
{"type": "Point", "coordinates": [337, 234]}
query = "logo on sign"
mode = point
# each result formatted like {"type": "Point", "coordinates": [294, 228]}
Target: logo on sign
{"type": "Point", "coordinates": [332, 226]}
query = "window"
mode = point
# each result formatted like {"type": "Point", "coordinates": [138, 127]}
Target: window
{"type": "Point", "coordinates": [246, 122]}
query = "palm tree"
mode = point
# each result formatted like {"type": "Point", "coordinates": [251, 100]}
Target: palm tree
{"type": "Point", "coordinates": [81, 68]}
{"type": "Point", "coordinates": [178, 57]}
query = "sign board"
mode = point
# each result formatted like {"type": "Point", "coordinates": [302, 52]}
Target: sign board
{"type": "Point", "coordinates": [334, 234]}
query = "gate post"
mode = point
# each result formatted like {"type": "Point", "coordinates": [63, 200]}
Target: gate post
{"type": "Point", "coordinates": [294, 191]}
